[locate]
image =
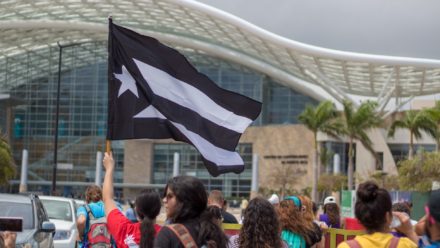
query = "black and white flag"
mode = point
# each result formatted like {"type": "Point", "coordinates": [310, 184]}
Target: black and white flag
{"type": "Point", "coordinates": [155, 93]}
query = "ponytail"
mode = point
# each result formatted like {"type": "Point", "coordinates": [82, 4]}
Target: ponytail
{"type": "Point", "coordinates": [147, 208]}
{"type": "Point", "coordinates": [147, 233]}
{"type": "Point", "coordinates": [210, 232]}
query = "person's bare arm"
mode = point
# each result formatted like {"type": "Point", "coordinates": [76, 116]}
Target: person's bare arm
{"type": "Point", "coordinates": [406, 227]}
{"type": "Point", "coordinates": [81, 225]}
{"type": "Point", "coordinates": [420, 226]}
{"type": "Point", "coordinates": [107, 188]}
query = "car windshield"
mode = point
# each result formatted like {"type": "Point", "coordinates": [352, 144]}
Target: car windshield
{"type": "Point", "coordinates": [59, 210]}
{"type": "Point", "coordinates": [21, 210]}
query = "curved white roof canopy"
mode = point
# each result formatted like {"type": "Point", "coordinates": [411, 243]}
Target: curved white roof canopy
{"type": "Point", "coordinates": [32, 26]}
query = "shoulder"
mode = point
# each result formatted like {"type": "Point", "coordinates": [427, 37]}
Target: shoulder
{"type": "Point", "coordinates": [157, 228]}
{"type": "Point", "coordinates": [343, 245]}
{"type": "Point", "coordinates": [116, 216]}
{"type": "Point", "coordinates": [166, 238]}
{"type": "Point", "coordinates": [234, 241]}
{"type": "Point", "coordinates": [406, 242]}
{"type": "Point", "coordinates": [81, 211]}
{"type": "Point", "coordinates": [97, 208]}
{"type": "Point", "coordinates": [228, 217]}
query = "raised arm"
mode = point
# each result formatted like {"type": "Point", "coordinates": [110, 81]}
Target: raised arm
{"type": "Point", "coordinates": [107, 189]}
{"type": "Point", "coordinates": [406, 227]}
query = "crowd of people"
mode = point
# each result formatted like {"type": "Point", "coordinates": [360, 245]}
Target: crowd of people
{"type": "Point", "coordinates": [194, 218]}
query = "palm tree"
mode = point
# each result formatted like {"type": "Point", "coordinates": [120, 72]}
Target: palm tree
{"type": "Point", "coordinates": [7, 166]}
{"type": "Point", "coordinates": [434, 112]}
{"type": "Point", "coordinates": [356, 123]}
{"type": "Point", "coordinates": [415, 121]}
{"type": "Point", "coordinates": [319, 119]}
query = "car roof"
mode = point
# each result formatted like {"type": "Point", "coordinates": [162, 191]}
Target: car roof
{"type": "Point", "coordinates": [79, 201]}
{"type": "Point", "coordinates": [55, 198]}
{"type": "Point", "coordinates": [17, 198]}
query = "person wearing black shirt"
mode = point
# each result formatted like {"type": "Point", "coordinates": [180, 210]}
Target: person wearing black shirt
{"type": "Point", "coordinates": [216, 199]}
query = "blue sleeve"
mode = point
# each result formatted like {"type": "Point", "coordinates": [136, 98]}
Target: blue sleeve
{"type": "Point", "coordinates": [81, 211]}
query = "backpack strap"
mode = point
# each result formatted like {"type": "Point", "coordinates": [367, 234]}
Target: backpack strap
{"type": "Point", "coordinates": [353, 243]}
{"type": "Point", "coordinates": [89, 211]}
{"type": "Point", "coordinates": [88, 217]}
{"type": "Point", "coordinates": [394, 242]}
{"type": "Point", "coordinates": [183, 234]}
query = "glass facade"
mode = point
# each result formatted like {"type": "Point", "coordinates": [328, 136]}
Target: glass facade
{"type": "Point", "coordinates": [83, 113]}
{"type": "Point", "coordinates": [341, 149]}
{"type": "Point", "coordinates": [400, 151]}
{"type": "Point", "coordinates": [232, 185]}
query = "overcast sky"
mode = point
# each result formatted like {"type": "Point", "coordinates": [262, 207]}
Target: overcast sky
{"type": "Point", "coordinates": [409, 28]}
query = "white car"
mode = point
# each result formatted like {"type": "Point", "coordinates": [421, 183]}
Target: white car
{"type": "Point", "coordinates": [79, 203]}
{"type": "Point", "coordinates": [62, 212]}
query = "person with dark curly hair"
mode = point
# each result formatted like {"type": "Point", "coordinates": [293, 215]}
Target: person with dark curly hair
{"type": "Point", "coordinates": [373, 210]}
{"type": "Point", "coordinates": [191, 224]}
{"type": "Point", "coordinates": [260, 227]}
{"type": "Point", "coordinates": [295, 228]}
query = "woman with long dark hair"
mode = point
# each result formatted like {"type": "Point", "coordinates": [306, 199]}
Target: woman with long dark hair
{"type": "Point", "coordinates": [191, 223]}
{"type": "Point", "coordinates": [332, 213]}
{"type": "Point", "coordinates": [261, 228]}
{"type": "Point", "coordinates": [147, 205]}
{"type": "Point", "coordinates": [373, 210]}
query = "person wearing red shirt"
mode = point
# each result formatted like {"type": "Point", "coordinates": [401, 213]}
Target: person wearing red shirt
{"type": "Point", "coordinates": [147, 205]}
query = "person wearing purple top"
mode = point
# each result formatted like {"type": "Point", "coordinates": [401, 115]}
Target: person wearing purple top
{"type": "Point", "coordinates": [331, 215]}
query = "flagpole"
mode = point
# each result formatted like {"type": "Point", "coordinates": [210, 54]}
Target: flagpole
{"type": "Point", "coordinates": [108, 144]}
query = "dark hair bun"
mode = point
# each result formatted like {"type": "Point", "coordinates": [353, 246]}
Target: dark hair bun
{"type": "Point", "coordinates": [367, 191]}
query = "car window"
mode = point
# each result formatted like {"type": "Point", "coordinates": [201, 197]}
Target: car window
{"type": "Point", "coordinates": [41, 214]}
{"type": "Point", "coordinates": [59, 210]}
{"type": "Point", "coordinates": [21, 210]}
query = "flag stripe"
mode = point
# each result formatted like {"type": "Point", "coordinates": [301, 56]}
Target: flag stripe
{"type": "Point", "coordinates": [208, 150]}
{"type": "Point", "coordinates": [163, 129]}
{"type": "Point", "coordinates": [166, 86]}
{"type": "Point", "coordinates": [181, 69]}
{"type": "Point", "coordinates": [217, 135]}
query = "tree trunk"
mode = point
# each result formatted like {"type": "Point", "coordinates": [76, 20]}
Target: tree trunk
{"type": "Point", "coordinates": [350, 165]}
{"type": "Point", "coordinates": [284, 181]}
{"type": "Point", "coordinates": [315, 172]}
{"type": "Point", "coordinates": [411, 146]}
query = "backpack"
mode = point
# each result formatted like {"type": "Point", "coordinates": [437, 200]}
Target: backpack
{"type": "Point", "coordinates": [98, 235]}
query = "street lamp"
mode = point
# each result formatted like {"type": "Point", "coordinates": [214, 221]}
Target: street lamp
{"type": "Point", "coordinates": [55, 149]}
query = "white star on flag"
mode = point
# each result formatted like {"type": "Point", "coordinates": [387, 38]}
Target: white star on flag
{"type": "Point", "coordinates": [127, 82]}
